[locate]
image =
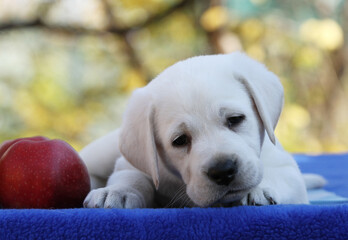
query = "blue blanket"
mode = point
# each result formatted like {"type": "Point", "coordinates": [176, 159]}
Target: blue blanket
{"type": "Point", "coordinates": [328, 221]}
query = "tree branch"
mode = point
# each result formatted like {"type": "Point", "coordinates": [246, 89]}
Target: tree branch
{"type": "Point", "coordinates": [112, 28]}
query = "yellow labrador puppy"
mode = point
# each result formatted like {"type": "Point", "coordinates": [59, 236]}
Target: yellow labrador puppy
{"type": "Point", "coordinates": [200, 134]}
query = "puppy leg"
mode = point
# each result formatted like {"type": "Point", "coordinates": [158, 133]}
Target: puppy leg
{"type": "Point", "coordinates": [280, 185]}
{"type": "Point", "coordinates": [282, 181]}
{"type": "Point", "coordinates": [127, 187]}
{"type": "Point", "coordinates": [100, 157]}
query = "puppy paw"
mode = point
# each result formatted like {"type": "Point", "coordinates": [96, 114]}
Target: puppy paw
{"type": "Point", "coordinates": [260, 196]}
{"type": "Point", "coordinates": [110, 197]}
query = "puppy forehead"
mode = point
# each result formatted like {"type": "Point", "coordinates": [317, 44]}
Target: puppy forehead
{"type": "Point", "coordinates": [198, 95]}
{"type": "Point", "coordinates": [200, 98]}
{"type": "Point", "coordinates": [211, 76]}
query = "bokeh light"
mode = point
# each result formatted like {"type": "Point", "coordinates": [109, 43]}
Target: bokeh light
{"type": "Point", "coordinates": [67, 67]}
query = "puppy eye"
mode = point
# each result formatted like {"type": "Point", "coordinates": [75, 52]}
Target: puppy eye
{"type": "Point", "coordinates": [181, 141]}
{"type": "Point", "coordinates": [235, 121]}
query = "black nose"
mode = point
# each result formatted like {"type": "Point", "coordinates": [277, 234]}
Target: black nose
{"type": "Point", "coordinates": [223, 172]}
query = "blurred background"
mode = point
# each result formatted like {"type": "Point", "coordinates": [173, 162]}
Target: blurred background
{"type": "Point", "coordinates": [67, 67]}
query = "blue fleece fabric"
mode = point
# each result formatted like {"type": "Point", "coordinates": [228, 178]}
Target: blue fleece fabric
{"type": "Point", "coordinates": [334, 167]}
{"type": "Point", "coordinates": [247, 222]}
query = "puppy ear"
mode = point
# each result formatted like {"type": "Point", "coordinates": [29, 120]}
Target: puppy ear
{"type": "Point", "coordinates": [265, 89]}
{"type": "Point", "coordinates": [137, 136]}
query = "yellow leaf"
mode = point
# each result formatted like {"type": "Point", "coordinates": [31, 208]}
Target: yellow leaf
{"type": "Point", "coordinates": [297, 116]}
{"type": "Point", "coordinates": [33, 114]}
{"type": "Point", "coordinates": [214, 18]}
{"type": "Point", "coordinates": [252, 29]}
{"type": "Point", "coordinates": [257, 52]}
{"type": "Point", "coordinates": [326, 34]}
{"type": "Point", "coordinates": [307, 57]}
{"type": "Point", "coordinates": [132, 80]}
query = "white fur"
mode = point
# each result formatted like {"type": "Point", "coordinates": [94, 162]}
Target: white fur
{"type": "Point", "coordinates": [195, 97]}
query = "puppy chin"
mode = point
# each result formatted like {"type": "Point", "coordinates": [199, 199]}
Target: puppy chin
{"type": "Point", "coordinates": [217, 199]}
{"type": "Point", "coordinates": [211, 198]}
{"type": "Point", "coordinates": [228, 200]}
{"type": "Point", "coordinates": [233, 196]}
{"type": "Point", "coordinates": [202, 197]}
{"type": "Point", "coordinates": [231, 199]}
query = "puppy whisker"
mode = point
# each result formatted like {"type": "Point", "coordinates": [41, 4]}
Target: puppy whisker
{"type": "Point", "coordinates": [177, 196]}
{"type": "Point", "coordinates": [177, 199]}
{"type": "Point", "coordinates": [185, 202]}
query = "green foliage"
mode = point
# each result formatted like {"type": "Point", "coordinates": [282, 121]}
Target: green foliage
{"type": "Point", "coordinates": [69, 72]}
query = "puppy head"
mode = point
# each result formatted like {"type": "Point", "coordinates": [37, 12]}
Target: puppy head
{"type": "Point", "coordinates": [205, 119]}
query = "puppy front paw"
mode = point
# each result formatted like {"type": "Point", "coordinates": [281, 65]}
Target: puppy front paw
{"type": "Point", "coordinates": [259, 196]}
{"type": "Point", "coordinates": [111, 197]}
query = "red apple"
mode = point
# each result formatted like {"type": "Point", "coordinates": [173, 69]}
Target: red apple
{"type": "Point", "coordinates": [38, 172]}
